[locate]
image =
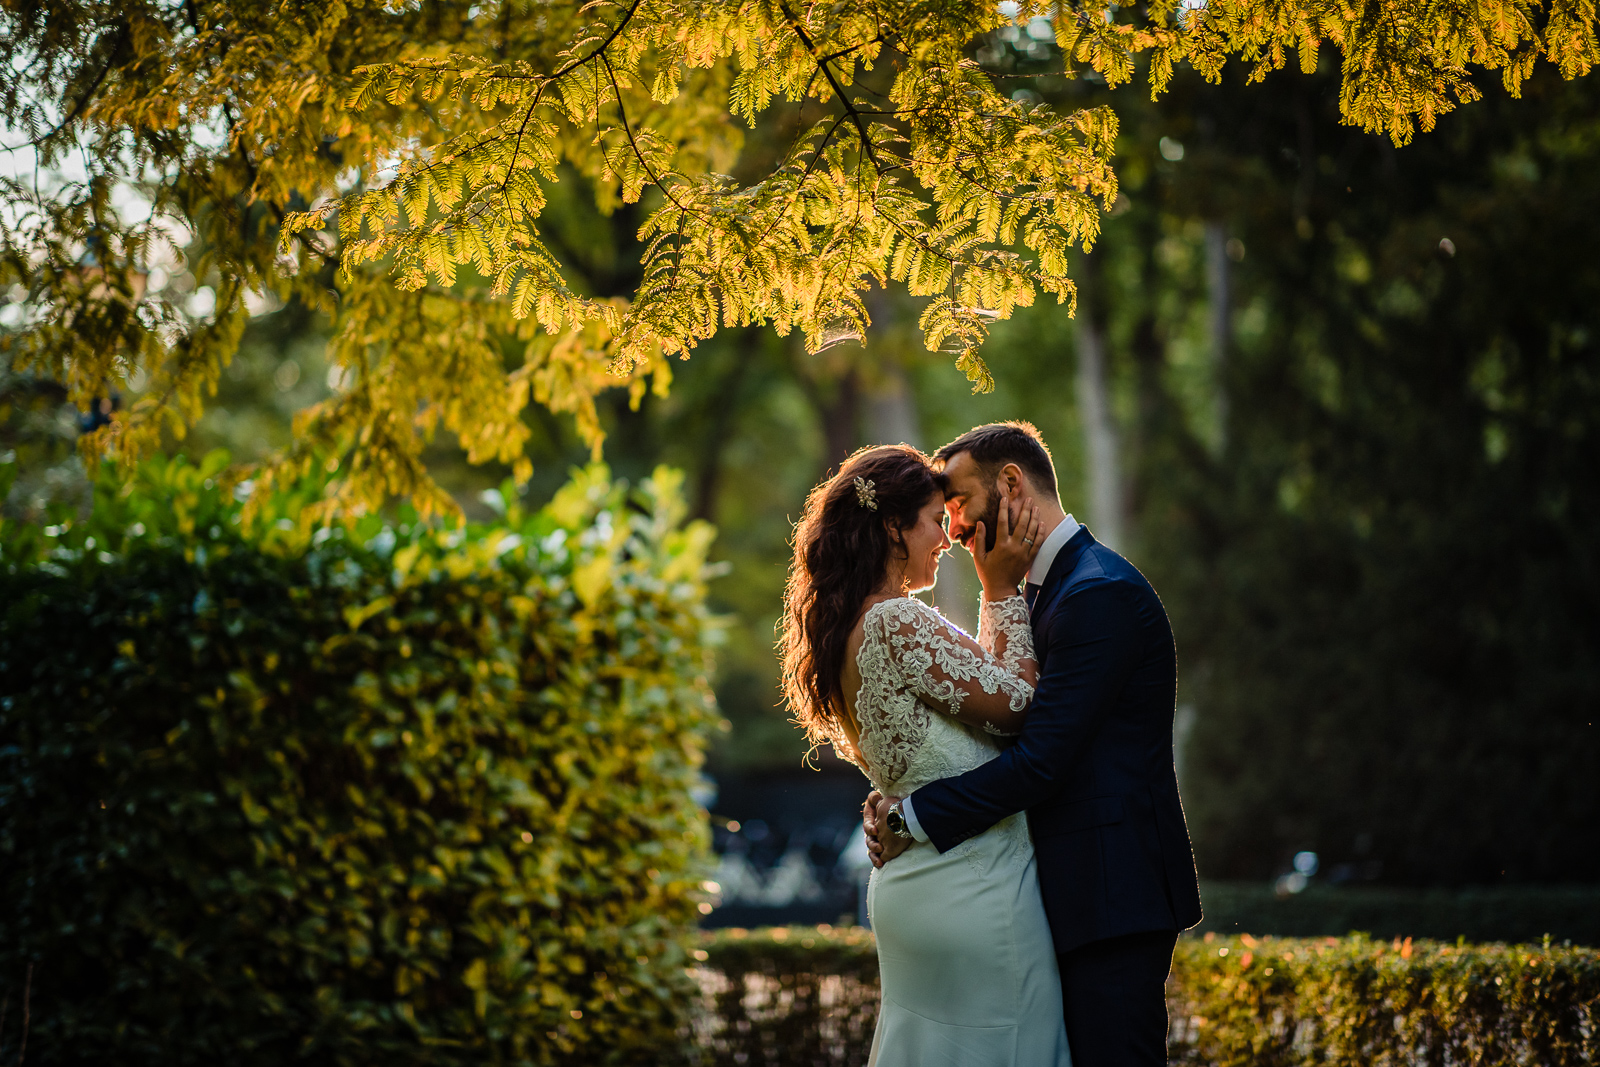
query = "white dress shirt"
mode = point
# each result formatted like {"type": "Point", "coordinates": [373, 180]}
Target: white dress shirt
{"type": "Point", "coordinates": [1053, 543]}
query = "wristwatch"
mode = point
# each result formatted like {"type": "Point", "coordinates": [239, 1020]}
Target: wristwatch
{"type": "Point", "coordinates": [897, 822]}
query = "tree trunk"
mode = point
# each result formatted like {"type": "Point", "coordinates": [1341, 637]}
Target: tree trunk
{"type": "Point", "coordinates": [835, 395]}
{"type": "Point", "coordinates": [891, 411]}
{"type": "Point", "coordinates": [1102, 448]}
{"type": "Point", "coordinates": [1221, 300]}
{"type": "Point", "coordinates": [841, 420]}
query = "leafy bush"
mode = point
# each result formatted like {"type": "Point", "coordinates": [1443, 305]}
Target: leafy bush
{"type": "Point", "coordinates": [399, 793]}
{"type": "Point", "coordinates": [1276, 1001]}
{"type": "Point", "coordinates": [809, 996]}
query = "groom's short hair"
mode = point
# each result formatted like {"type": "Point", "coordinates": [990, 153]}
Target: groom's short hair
{"type": "Point", "coordinates": [995, 444]}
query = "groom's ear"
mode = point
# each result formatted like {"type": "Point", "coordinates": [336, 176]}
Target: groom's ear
{"type": "Point", "coordinates": [1010, 481]}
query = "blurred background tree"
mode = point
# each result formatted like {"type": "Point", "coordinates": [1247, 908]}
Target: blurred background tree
{"type": "Point", "coordinates": [1380, 539]}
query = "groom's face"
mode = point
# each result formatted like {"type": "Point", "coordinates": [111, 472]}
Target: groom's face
{"type": "Point", "coordinates": [969, 499]}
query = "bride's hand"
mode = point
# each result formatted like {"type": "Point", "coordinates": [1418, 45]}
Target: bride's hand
{"type": "Point", "coordinates": [1002, 568]}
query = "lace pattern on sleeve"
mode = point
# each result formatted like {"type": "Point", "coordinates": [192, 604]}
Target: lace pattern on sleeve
{"type": "Point", "coordinates": [1006, 632]}
{"type": "Point", "coordinates": [936, 666]}
{"type": "Point", "coordinates": [912, 660]}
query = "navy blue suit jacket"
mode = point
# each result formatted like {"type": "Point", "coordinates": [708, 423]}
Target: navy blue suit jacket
{"type": "Point", "coordinates": [1093, 768]}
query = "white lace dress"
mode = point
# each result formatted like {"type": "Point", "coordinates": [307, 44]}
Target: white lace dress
{"type": "Point", "coordinates": [969, 976]}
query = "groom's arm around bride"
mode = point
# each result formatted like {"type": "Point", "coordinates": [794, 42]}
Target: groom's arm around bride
{"type": "Point", "coordinates": [1093, 766]}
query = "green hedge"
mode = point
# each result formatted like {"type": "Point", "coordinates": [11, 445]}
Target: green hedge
{"type": "Point", "coordinates": [1279, 1001]}
{"type": "Point", "coordinates": [803, 996]}
{"type": "Point", "coordinates": [787, 996]}
{"type": "Point", "coordinates": [398, 793]}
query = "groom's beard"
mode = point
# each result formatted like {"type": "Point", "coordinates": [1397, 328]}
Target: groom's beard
{"type": "Point", "coordinates": [991, 521]}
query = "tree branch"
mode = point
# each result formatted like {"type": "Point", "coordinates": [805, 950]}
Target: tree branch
{"type": "Point", "coordinates": [622, 112]}
{"type": "Point", "coordinates": [846, 51]}
{"type": "Point", "coordinates": [602, 46]}
{"type": "Point", "coordinates": [838, 90]}
{"type": "Point", "coordinates": [599, 49]}
{"type": "Point", "coordinates": [83, 101]}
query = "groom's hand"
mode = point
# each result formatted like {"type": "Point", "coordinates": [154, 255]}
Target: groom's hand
{"type": "Point", "coordinates": [1016, 543]}
{"type": "Point", "coordinates": [870, 824]}
{"type": "Point", "coordinates": [883, 845]}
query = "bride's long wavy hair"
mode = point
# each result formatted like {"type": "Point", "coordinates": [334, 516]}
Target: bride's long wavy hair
{"type": "Point", "coordinates": [842, 549]}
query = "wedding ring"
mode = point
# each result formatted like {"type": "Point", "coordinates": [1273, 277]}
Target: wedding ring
{"type": "Point", "coordinates": [1028, 541]}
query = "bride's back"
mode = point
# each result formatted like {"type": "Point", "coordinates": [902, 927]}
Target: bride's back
{"type": "Point", "coordinates": [850, 668]}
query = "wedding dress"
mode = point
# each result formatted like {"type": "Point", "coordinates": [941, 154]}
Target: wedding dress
{"type": "Point", "coordinates": [965, 956]}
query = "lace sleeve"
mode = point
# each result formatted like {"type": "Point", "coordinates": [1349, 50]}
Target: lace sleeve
{"type": "Point", "coordinates": [1005, 632]}
{"type": "Point", "coordinates": [950, 672]}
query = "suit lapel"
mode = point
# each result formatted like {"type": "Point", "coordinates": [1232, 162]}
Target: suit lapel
{"type": "Point", "coordinates": [1061, 568]}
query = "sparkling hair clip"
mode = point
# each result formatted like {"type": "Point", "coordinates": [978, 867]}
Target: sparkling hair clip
{"type": "Point", "coordinates": [866, 495]}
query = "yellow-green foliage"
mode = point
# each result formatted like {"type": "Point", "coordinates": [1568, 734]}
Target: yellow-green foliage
{"type": "Point", "coordinates": [802, 995]}
{"type": "Point", "coordinates": [385, 794]}
{"type": "Point", "coordinates": [413, 146]}
{"type": "Point", "coordinates": [1270, 1001]}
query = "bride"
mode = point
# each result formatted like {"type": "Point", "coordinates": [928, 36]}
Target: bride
{"type": "Point", "coordinates": [965, 956]}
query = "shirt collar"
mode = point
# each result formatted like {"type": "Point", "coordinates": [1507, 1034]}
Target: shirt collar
{"type": "Point", "coordinates": [1053, 543]}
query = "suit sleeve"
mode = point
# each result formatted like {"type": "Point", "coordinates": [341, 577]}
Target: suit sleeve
{"type": "Point", "coordinates": [1093, 639]}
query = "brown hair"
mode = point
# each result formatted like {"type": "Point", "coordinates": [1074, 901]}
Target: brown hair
{"type": "Point", "coordinates": [841, 552]}
{"type": "Point", "coordinates": [995, 444]}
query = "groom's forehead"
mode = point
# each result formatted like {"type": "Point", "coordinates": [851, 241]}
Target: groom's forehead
{"type": "Point", "coordinates": [958, 471]}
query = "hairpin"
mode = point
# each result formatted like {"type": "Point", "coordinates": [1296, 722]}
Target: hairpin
{"type": "Point", "coordinates": [866, 495]}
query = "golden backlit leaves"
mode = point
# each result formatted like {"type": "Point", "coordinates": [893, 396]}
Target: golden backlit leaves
{"type": "Point", "coordinates": [930, 183]}
{"type": "Point", "coordinates": [1403, 63]}
{"type": "Point", "coordinates": [413, 147]}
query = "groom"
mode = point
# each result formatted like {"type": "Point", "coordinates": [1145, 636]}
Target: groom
{"type": "Point", "coordinates": [1093, 767]}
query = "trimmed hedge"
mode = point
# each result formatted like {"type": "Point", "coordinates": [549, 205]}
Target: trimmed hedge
{"type": "Point", "coordinates": [803, 996]}
{"type": "Point", "coordinates": [1279, 1001]}
{"type": "Point", "coordinates": [399, 793]}
{"type": "Point", "coordinates": [787, 996]}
